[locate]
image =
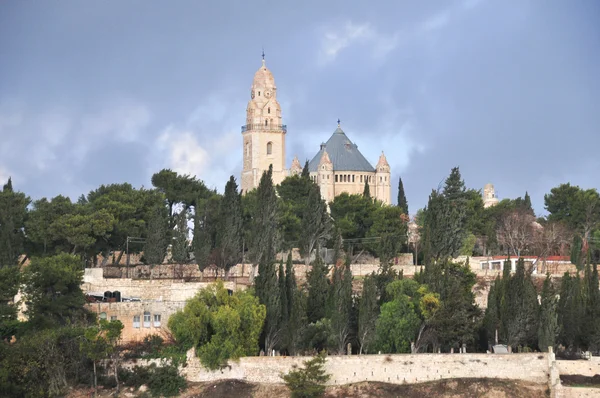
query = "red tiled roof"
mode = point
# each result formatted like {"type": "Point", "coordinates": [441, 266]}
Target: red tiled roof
{"type": "Point", "coordinates": [548, 258]}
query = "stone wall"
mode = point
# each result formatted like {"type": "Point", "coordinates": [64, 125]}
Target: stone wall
{"type": "Point", "coordinates": [126, 311]}
{"type": "Point", "coordinates": [397, 368]}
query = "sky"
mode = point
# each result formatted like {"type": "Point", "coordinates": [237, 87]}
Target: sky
{"type": "Point", "coordinates": [100, 92]}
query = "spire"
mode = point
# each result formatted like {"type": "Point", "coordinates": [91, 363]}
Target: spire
{"type": "Point", "coordinates": [263, 56]}
{"type": "Point", "coordinates": [382, 161]}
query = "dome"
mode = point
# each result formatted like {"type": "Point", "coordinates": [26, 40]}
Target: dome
{"type": "Point", "coordinates": [263, 78]}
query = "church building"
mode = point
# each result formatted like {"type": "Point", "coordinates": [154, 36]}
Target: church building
{"type": "Point", "coordinates": [337, 167]}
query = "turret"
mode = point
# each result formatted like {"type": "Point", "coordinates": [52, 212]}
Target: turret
{"type": "Point", "coordinates": [383, 180]}
{"type": "Point", "coordinates": [325, 176]}
{"type": "Point", "coordinates": [296, 168]}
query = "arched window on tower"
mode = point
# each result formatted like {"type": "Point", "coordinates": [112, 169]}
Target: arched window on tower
{"type": "Point", "coordinates": [269, 148]}
{"type": "Point", "coordinates": [266, 123]}
{"type": "Point", "coordinates": [247, 149]}
{"type": "Point", "coordinates": [268, 110]}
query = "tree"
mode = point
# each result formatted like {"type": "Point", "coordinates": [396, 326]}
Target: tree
{"type": "Point", "coordinates": [155, 248]}
{"type": "Point", "coordinates": [341, 299]}
{"type": "Point", "coordinates": [368, 311]}
{"type": "Point", "coordinates": [516, 231]}
{"type": "Point", "coordinates": [296, 318]}
{"type": "Point", "coordinates": [527, 203]}
{"type": "Point", "coordinates": [353, 215]}
{"type": "Point", "coordinates": [305, 171]}
{"type": "Point", "coordinates": [205, 230]}
{"type": "Point", "coordinates": [443, 229]}
{"type": "Point", "coordinates": [293, 192]}
{"type": "Point", "coordinates": [180, 252]}
{"type": "Point", "coordinates": [402, 202]}
{"type": "Point", "coordinates": [308, 382]}
{"type": "Point", "coordinates": [548, 325]}
{"type": "Point", "coordinates": [390, 225]}
{"type": "Point", "coordinates": [40, 225]}
{"type": "Point", "coordinates": [52, 290]}
{"type": "Point", "coordinates": [367, 190]}
{"type": "Point", "coordinates": [9, 286]}
{"type": "Point", "coordinates": [571, 312]}
{"type": "Point", "coordinates": [397, 325]}
{"type": "Point", "coordinates": [316, 225]}
{"type": "Point", "coordinates": [522, 323]}
{"type": "Point", "coordinates": [219, 325]}
{"type": "Point", "coordinates": [178, 189]}
{"type": "Point", "coordinates": [229, 235]}
{"type": "Point", "coordinates": [13, 210]}
{"type": "Point", "coordinates": [318, 288]}
{"type": "Point", "coordinates": [265, 234]}
{"type": "Point", "coordinates": [283, 299]}
{"type": "Point", "coordinates": [100, 342]}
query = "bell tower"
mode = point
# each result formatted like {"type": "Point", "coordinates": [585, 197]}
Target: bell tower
{"type": "Point", "coordinates": [263, 134]}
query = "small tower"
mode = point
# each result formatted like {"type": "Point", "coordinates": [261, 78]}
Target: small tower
{"type": "Point", "coordinates": [489, 196]}
{"type": "Point", "coordinates": [263, 134]}
{"type": "Point", "coordinates": [296, 168]}
{"type": "Point", "coordinates": [325, 178]}
{"type": "Point", "coordinates": [382, 180]}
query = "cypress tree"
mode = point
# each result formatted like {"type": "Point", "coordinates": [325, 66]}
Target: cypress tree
{"type": "Point", "coordinates": [571, 312]}
{"type": "Point", "coordinates": [284, 301]}
{"type": "Point", "coordinates": [402, 202]}
{"type": "Point", "coordinates": [548, 327]}
{"type": "Point", "coordinates": [156, 244]}
{"type": "Point", "coordinates": [296, 308]}
{"type": "Point", "coordinates": [318, 288]}
{"type": "Point", "coordinates": [341, 298]}
{"type": "Point", "coordinates": [305, 172]}
{"type": "Point", "coordinates": [229, 235]}
{"type": "Point", "coordinates": [267, 290]}
{"type": "Point", "coordinates": [523, 309]}
{"type": "Point", "coordinates": [13, 210]}
{"type": "Point", "coordinates": [180, 250]}
{"type": "Point", "coordinates": [527, 203]}
{"type": "Point", "coordinates": [368, 311]}
{"type": "Point", "coordinates": [316, 224]}
{"type": "Point", "coordinates": [367, 190]}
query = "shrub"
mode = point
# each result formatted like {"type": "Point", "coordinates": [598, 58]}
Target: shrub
{"type": "Point", "coordinates": [308, 382]}
{"type": "Point", "coordinates": [163, 381]}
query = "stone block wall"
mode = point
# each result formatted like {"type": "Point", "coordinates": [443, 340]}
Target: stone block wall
{"type": "Point", "coordinates": [397, 368]}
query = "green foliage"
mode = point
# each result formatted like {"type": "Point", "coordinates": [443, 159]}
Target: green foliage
{"type": "Point", "coordinates": [309, 381]}
{"type": "Point", "coordinates": [293, 192]}
{"type": "Point", "coordinates": [162, 381]}
{"type": "Point", "coordinates": [13, 209]}
{"type": "Point", "coordinates": [367, 190]}
{"type": "Point", "coordinates": [548, 325]}
{"type": "Point", "coordinates": [180, 252]}
{"type": "Point", "coordinates": [341, 306]}
{"type": "Point", "coordinates": [368, 311]}
{"type": "Point", "coordinates": [397, 325]}
{"type": "Point", "coordinates": [9, 286]}
{"type": "Point", "coordinates": [402, 202]}
{"type": "Point", "coordinates": [264, 225]}
{"type": "Point", "coordinates": [316, 224]}
{"type": "Point", "coordinates": [155, 248]}
{"type": "Point", "coordinates": [230, 232]}
{"type": "Point", "coordinates": [318, 289]}
{"type": "Point", "coordinates": [52, 290]}
{"type": "Point", "coordinates": [221, 326]}
{"type": "Point", "coordinates": [353, 215]}
{"type": "Point", "coordinates": [390, 225]}
{"type": "Point", "coordinates": [206, 223]}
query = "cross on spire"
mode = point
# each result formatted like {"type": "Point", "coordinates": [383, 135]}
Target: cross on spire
{"type": "Point", "coordinates": [338, 122]}
{"type": "Point", "coordinates": [263, 53]}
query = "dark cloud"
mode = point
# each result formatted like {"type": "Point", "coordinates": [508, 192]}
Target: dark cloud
{"type": "Point", "coordinates": [113, 91]}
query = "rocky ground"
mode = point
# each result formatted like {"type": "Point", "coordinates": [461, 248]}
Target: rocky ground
{"type": "Point", "coordinates": [455, 388]}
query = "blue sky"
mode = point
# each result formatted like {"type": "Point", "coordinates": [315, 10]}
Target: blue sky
{"type": "Point", "coordinates": [96, 92]}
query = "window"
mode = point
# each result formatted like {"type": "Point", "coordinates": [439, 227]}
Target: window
{"type": "Point", "coordinates": [156, 320]}
{"type": "Point", "coordinates": [361, 179]}
{"type": "Point", "coordinates": [146, 319]}
{"type": "Point", "coordinates": [259, 93]}
{"type": "Point", "coordinates": [247, 149]}
{"type": "Point", "coordinates": [268, 110]}
{"type": "Point", "coordinates": [102, 315]}
{"type": "Point", "coordinates": [136, 321]}
{"type": "Point", "coordinates": [269, 148]}
{"type": "Point", "coordinates": [380, 179]}
{"type": "Point", "coordinates": [352, 177]}
{"type": "Point", "coordinates": [336, 178]}
{"type": "Point", "coordinates": [328, 176]}
{"type": "Point", "coordinates": [113, 318]}
{"type": "Point", "coordinates": [266, 122]}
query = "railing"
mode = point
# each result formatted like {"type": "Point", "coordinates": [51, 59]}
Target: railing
{"type": "Point", "coordinates": [250, 127]}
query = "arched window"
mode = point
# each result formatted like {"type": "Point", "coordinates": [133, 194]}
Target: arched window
{"type": "Point", "coordinates": [247, 149]}
{"type": "Point", "coordinates": [259, 93]}
{"type": "Point", "coordinates": [268, 110]}
{"type": "Point", "coordinates": [269, 148]}
{"type": "Point", "coordinates": [266, 122]}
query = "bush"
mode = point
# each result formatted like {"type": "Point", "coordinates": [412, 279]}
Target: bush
{"type": "Point", "coordinates": [308, 382]}
{"type": "Point", "coordinates": [162, 381]}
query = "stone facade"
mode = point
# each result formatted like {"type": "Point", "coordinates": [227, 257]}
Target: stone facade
{"type": "Point", "coordinates": [263, 138]}
{"type": "Point", "coordinates": [489, 196]}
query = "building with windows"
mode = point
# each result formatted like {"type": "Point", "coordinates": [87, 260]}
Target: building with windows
{"type": "Point", "coordinates": [337, 167]}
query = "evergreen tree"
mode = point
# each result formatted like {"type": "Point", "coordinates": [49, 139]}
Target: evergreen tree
{"type": "Point", "coordinates": [267, 290]}
{"type": "Point", "coordinates": [305, 172]}
{"type": "Point", "coordinates": [368, 311]}
{"type": "Point", "coordinates": [205, 230]}
{"type": "Point", "coordinates": [309, 381]}
{"type": "Point", "coordinates": [443, 227]}
{"type": "Point", "coordinates": [318, 288]}
{"type": "Point", "coordinates": [341, 299]}
{"type": "Point", "coordinates": [10, 278]}
{"type": "Point", "coordinates": [548, 326]}
{"type": "Point", "coordinates": [155, 248]}
{"type": "Point", "coordinates": [402, 202]}
{"type": "Point", "coordinates": [316, 224]}
{"type": "Point", "coordinates": [284, 301]}
{"type": "Point", "coordinates": [230, 232]}
{"type": "Point", "coordinates": [180, 251]}
{"type": "Point", "coordinates": [571, 312]}
{"type": "Point", "coordinates": [367, 190]}
{"type": "Point", "coordinates": [265, 233]}
{"type": "Point", "coordinates": [527, 203]}
{"type": "Point", "coordinates": [522, 325]}
{"type": "Point", "coordinates": [13, 210]}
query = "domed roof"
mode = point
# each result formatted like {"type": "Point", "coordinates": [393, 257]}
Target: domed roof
{"type": "Point", "coordinates": [263, 78]}
{"type": "Point", "coordinates": [344, 154]}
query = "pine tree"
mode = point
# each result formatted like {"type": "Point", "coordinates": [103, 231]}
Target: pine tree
{"type": "Point", "coordinates": [522, 325]}
{"type": "Point", "coordinates": [341, 298]}
{"type": "Point", "coordinates": [454, 186]}
{"type": "Point", "coordinates": [367, 190]}
{"type": "Point", "coordinates": [180, 251]}
{"type": "Point", "coordinates": [205, 231]}
{"type": "Point", "coordinates": [571, 312]}
{"type": "Point", "coordinates": [368, 311]}
{"type": "Point", "coordinates": [318, 288]}
{"type": "Point", "coordinates": [156, 244]}
{"type": "Point", "coordinates": [316, 224]}
{"type": "Point", "coordinates": [548, 326]}
{"type": "Point", "coordinates": [229, 235]}
{"type": "Point", "coordinates": [402, 202]}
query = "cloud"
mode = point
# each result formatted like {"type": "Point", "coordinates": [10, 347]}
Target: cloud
{"type": "Point", "coordinates": [435, 22]}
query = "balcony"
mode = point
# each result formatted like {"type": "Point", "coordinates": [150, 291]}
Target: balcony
{"type": "Point", "coordinates": [262, 127]}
